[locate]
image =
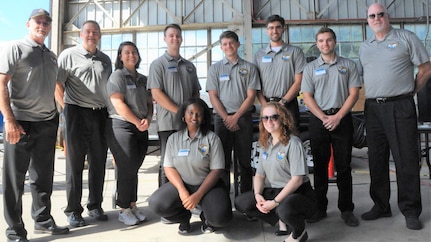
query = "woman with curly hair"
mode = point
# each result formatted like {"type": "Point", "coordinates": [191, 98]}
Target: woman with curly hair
{"type": "Point", "coordinates": [282, 189]}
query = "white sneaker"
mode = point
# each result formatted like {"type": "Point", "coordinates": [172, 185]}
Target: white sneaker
{"type": "Point", "coordinates": [139, 214]}
{"type": "Point", "coordinates": [127, 217]}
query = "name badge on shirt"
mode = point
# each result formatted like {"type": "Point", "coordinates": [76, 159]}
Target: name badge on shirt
{"type": "Point", "coordinates": [172, 69]}
{"type": "Point", "coordinates": [224, 77]}
{"type": "Point", "coordinates": [131, 86]}
{"type": "Point", "coordinates": [266, 59]}
{"type": "Point", "coordinates": [319, 72]}
{"type": "Point", "coordinates": [183, 152]}
{"type": "Point", "coordinates": [265, 155]}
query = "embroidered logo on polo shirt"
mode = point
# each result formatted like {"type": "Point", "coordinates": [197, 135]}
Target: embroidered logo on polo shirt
{"type": "Point", "coordinates": [342, 70]}
{"type": "Point", "coordinates": [285, 57]}
{"type": "Point", "coordinates": [393, 46]}
{"type": "Point", "coordinates": [281, 155]}
{"type": "Point", "coordinates": [243, 72]}
{"type": "Point", "coordinates": [189, 69]}
{"type": "Point", "coordinates": [203, 149]}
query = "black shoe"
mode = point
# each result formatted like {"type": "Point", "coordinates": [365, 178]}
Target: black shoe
{"type": "Point", "coordinates": [98, 213]}
{"type": "Point", "coordinates": [413, 223]}
{"type": "Point", "coordinates": [17, 239]}
{"type": "Point", "coordinates": [374, 214]}
{"type": "Point", "coordinates": [184, 227]}
{"type": "Point", "coordinates": [282, 232]}
{"type": "Point", "coordinates": [52, 229]}
{"type": "Point", "coordinates": [76, 220]}
{"type": "Point", "coordinates": [207, 229]}
{"type": "Point", "coordinates": [317, 216]}
{"type": "Point", "coordinates": [349, 218]}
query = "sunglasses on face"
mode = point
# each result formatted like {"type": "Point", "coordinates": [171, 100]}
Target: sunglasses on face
{"type": "Point", "coordinates": [373, 16]}
{"type": "Point", "coordinates": [273, 117]}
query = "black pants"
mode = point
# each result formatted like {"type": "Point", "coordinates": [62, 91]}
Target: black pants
{"type": "Point", "coordinates": [85, 136]}
{"type": "Point", "coordinates": [293, 210]}
{"type": "Point", "coordinates": [392, 126]}
{"type": "Point", "coordinates": [129, 147]}
{"type": "Point", "coordinates": [240, 143]}
{"type": "Point", "coordinates": [293, 107]}
{"type": "Point", "coordinates": [216, 205]}
{"type": "Point", "coordinates": [341, 139]}
{"type": "Point", "coordinates": [34, 152]}
{"type": "Point", "coordinates": [163, 137]}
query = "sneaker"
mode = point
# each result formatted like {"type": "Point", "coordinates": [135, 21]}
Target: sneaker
{"type": "Point", "coordinates": [127, 217]}
{"type": "Point", "coordinates": [184, 227]}
{"type": "Point", "coordinates": [303, 237]}
{"type": "Point", "coordinates": [207, 229]}
{"type": "Point", "coordinates": [98, 213]}
{"type": "Point", "coordinates": [139, 214]}
{"type": "Point", "coordinates": [76, 220]}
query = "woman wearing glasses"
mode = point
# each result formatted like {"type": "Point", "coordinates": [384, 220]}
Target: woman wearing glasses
{"type": "Point", "coordinates": [282, 189]}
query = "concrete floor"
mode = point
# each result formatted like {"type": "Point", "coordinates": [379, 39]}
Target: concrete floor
{"type": "Point", "coordinates": [331, 228]}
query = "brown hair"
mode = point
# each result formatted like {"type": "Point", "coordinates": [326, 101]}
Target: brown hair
{"type": "Point", "coordinates": [287, 125]}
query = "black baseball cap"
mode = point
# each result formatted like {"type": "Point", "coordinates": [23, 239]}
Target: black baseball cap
{"type": "Point", "coordinates": [40, 12]}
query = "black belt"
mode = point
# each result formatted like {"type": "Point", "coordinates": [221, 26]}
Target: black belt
{"type": "Point", "coordinates": [389, 99]}
{"type": "Point", "coordinates": [331, 111]}
{"type": "Point", "coordinates": [273, 99]}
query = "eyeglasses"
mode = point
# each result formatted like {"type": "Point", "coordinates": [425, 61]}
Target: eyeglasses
{"type": "Point", "coordinates": [273, 117]}
{"type": "Point", "coordinates": [373, 16]}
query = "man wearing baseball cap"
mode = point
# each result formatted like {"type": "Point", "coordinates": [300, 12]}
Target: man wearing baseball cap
{"type": "Point", "coordinates": [28, 72]}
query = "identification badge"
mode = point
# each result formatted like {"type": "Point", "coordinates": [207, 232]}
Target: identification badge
{"type": "Point", "coordinates": [183, 152]}
{"type": "Point", "coordinates": [224, 77]}
{"type": "Point", "coordinates": [319, 72]}
{"type": "Point", "coordinates": [131, 86]}
{"type": "Point", "coordinates": [172, 69]}
{"type": "Point", "coordinates": [266, 59]}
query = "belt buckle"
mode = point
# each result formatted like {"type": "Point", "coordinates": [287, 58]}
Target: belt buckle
{"type": "Point", "coordinates": [272, 99]}
{"type": "Point", "coordinates": [381, 100]}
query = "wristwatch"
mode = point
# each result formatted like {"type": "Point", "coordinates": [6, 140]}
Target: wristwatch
{"type": "Point", "coordinates": [284, 101]}
{"type": "Point", "coordinates": [276, 202]}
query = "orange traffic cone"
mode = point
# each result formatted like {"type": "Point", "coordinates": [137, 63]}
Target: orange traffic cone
{"type": "Point", "coordinates": [331, 173]}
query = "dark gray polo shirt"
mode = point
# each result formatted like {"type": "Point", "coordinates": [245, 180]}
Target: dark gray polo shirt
{"type": "Point", "coordinates": [280, 162]}
{"type": "Point", "coordinates": [330, 83]}
{"type": "Point", "coordinates": [277, 69]}
{"type": "Point", "coordinates": [134, 92]}
{"type": "Point", "coordinates": [33, 70]}
{"type": "Point", "coordinates": [194, 158]}
{"type": "Point", "coordinates": [178, 80]}
{"type": "Point", "coordinates": [232, 82]}
{"type": "Point", "coordinates": [388, 65]}
{"type": "Point", "coordinates": [84, 76]}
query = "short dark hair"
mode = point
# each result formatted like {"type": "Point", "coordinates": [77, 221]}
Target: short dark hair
{"type": "Point", "coordinates": [174, 26]}
{"type": "Point", "coordinates": [91, 22]}
{"type": "Point", "coordinates": [206, 121]}
{"type": "Point", "coordinates": [118, 63]}
{"type": "Point", "coordinates": [275, 18]}
{"type": "Point", "coordinates": [228, 34]}
{"type": "Point", "coordinates": [326, 30]}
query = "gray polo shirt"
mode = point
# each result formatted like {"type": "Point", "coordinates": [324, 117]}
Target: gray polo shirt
{"type": "Point", "coordinates": [330, 83]}
{"type": "Point", "coordinates": [388, 65]}
{"type": "Point", "coordinates": [277, 69]}
{"type": "Point", "coordinates": [33, 70]}
{"type": "Point", "coordinates": [194, 158]}
{"type": "Point", "coordinates": [84, 76]}
{"type": "Point", "coordinates": [280, 162]}
{"type": "Point", "coordinates": [231, 81]}
{"type": "Point", "coordinates": [177, 78]}
{"type": "Point", "coordinates": [134, 92]}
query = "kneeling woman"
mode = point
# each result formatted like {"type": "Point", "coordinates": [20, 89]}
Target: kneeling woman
{"type": "Point", "coordinates": [282, 189]}
{"type": "Point", "coordinates": [194, 163]}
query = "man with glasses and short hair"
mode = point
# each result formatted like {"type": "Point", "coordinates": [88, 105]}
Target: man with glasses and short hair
{"type": "Point", "coordinates": [387, 61]}
{"type": "Point", "coordinates": [280, 66]}
{"type": "Point", "coordinates": [330, 85]}
{"type": "Point", "coordinates": [28, 70]}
